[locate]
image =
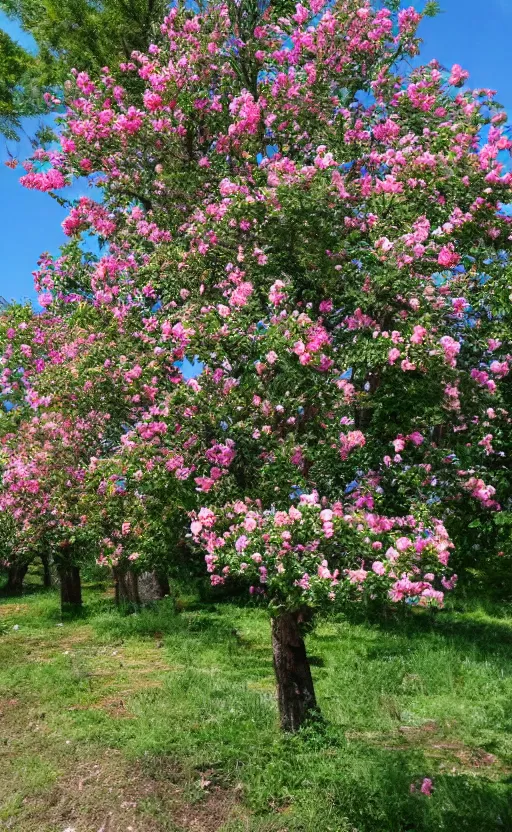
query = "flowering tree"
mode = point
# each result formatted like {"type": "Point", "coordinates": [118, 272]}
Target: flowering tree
{"type": "Point", "coordinates": [322, 228]}
{"type": "Point", "coordinates": [69, 406]}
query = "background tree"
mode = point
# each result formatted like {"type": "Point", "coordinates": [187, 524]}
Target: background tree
{"type": "Point", "coordinates": [73, 34]}
{"type": "Point", "coordinates": [18, 97]}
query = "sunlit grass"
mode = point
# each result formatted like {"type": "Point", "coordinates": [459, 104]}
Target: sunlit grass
{"type": "Point", "coordinates": [168, 721]}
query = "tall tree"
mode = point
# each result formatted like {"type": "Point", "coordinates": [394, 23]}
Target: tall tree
{"type": "Point", "coordinates": [16, 86]}
{"type": "Point", "coordinates": [81, 34]}
{"type": "Point", "coordinates": [322, 225]}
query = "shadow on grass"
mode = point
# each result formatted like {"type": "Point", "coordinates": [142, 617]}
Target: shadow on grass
{"type": "Point", "coordinates": [484, 639]}
{"type": "Point", "coordinates": [28, 590]}
{"type": "Point", "coordinates": [474, 633]}
{"type": "Point", "coordinates": [215, 712]}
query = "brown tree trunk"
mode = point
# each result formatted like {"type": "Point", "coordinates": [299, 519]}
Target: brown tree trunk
{"type": "Point", "coordinates": [439, 434]}
{"type": "Point", "coordinates": [70, 587]}
{"type": "Point", "coordinates": [295, 691]}
{"type": "Point", "coordinates": [15, 577]}
{"type": "Point", "coordinates": [126, 586]}
{"type": "Point", "coordinates": [47, 572]}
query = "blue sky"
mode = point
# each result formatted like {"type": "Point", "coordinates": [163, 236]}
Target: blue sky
{"type": "Point", "coordinates": [469, 32]}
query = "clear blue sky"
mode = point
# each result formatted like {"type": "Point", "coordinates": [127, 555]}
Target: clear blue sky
{"type": "Point", "coordinates": [473, 33]}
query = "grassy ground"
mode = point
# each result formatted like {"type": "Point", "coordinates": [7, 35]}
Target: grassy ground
{"type": "Point", "coordinates": [166, 722]}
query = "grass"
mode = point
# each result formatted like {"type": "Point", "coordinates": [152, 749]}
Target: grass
{"type": "Point", "coordinates": [166, 722]}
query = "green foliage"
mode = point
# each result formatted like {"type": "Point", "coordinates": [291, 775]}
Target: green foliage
{"type": "Point", "coordinates": [15, 64]}
{"type": "Point", "coordinates": [83, 34]}
{"type": "Point", "coordinates": [79, 34]}
{"type": "Point", "coordinates": [432, 8]}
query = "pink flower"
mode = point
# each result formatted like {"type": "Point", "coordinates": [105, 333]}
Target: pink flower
{"type": "Point", "coordinates": [206, 517]}
{"type": "Point", "coordinates": [451, 349]}
{"type": "Point", "coordinates": [416, 438]}
{"type": "Point", "coordinates": [249, 524]}
{"type": "Point", "coordinates": [449, 583]}
{"type": "Point", "coordinates": [45, 299]}
{"type": "Point", "coordinates": [499, 368]}
{"type": "Point", "coordinates": [392, 554]}
{"type": "Point", "coordinates": [301, 14]}
{"type": "Point", "coordinates": [241, 543]}
{"type": "Point", "coordinates": [281, 518]}
{"type": "Point", "coordinates": [304, 582]}
{"type": "Point", "coordinates": [418, 334]}
{"type": "Point", "coordinates": [448, 257]}
{"type": "Point", "coordinates": [378, 567]}
{"type": "Point", "coordinates": [458, 76]}
{"type": "Point", "coordinates": [393, 355]}
{"type": "Point", "coordinates": [326, 306]}
{"type": "Point", "coordinates": [357, 576]}
{"type": "Point", "coordinates": [323, 571]}
{"type": "Point", "coordinates": [384, 244]}
{"type": "Point", "coordinates": [459, 305]}
{"type": "Point", "coordinates": [349, 441]}
{"type": "Point", "coordinates": [426, 786]}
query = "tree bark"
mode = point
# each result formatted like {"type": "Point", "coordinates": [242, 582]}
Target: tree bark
{"type": "Point", "coordinates": [70, 587]}
{"type": "Point", "coordinates": [126, 586]}
{"type": "Point", "coordinates": [131, 588]}
{"type": "Point", "coordinates": [295, 691]}
{"type": "Point", "coordinates": [15, 577]}
{"type": "Point", "coordinates": [152, 587]}
{"type": "Point", "coordinates": [47, 572]}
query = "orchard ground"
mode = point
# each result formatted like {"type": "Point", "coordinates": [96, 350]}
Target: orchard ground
{"type": "Point", "coordinates": [166, 720]}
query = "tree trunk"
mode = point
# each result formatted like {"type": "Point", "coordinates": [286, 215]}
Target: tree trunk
{"type": "Point", "coordinates": [126, 586]}
{"type": "Point", "coordinates": [295, 691]}
{"type": "Point", "coordinates": [15, 577]}
{"type": "Point", "coordinates": [131, 588]}
{"type": "Point", "coordinates": [152, 587]}
{"type": "Point", "coordinates": [70, 587]}
{"type": "Point", "coordinates": [47, 572]}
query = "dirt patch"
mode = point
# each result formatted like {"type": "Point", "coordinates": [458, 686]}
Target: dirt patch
{"type": "Point", "coordinates": [7, 706]}
{"type": "Point", "coordinates": [468, 757]}
{"type": "Point", "coordinates": [210, 814]}
{"type": "Point", "coordinates": [113, 795]}
{"type": "Point", "coordinates": [12, 609]}
{"type": "Point", "coordinates": [108, 793]}
{"type": "Point", "coordinates": [454, 755]}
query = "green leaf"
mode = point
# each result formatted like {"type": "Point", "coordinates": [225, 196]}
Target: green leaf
{"type": "Point", "coordinates": [432, 9]}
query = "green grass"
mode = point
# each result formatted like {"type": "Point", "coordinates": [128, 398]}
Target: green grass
{"type": "Point", "coordinates": [167, 721]}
